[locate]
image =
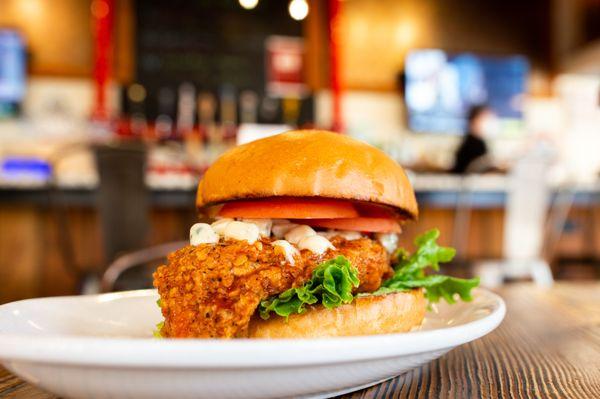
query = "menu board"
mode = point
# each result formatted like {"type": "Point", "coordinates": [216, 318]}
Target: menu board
{"type": "Point", "coordinates": [208, 43]}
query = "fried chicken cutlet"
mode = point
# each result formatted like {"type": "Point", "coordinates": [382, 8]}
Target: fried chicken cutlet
{"type": "Point", "coordinates": [212, 291]}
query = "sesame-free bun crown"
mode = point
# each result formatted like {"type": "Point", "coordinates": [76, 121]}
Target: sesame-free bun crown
{"type": "Point", "coordinates": [308, 163]}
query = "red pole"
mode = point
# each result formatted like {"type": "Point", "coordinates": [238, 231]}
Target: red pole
{"type": "Point", "coordinates": [102, 15]}
{"type": "Point", "coordinates": [334, 64]}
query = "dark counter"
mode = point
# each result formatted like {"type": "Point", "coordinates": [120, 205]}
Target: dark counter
{"type": "Point", "coordinates": [185, 199]}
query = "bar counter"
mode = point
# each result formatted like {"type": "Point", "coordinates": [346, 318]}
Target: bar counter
{"type": "Point", "coordinates": [36, 221]}
{"type": "Point", "coordinates": [437, 190]}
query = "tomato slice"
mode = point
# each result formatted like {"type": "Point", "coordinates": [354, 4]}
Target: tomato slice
{"type": "Point", "coordinates": [366, 224]}
{"type": "Point", "coordinates": [371, 210]}
{"type": "Point", "coordinates": [289, 208]}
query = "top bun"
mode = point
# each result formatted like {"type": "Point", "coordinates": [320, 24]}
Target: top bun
{"type": "Point", "coordinates": [308, 163]}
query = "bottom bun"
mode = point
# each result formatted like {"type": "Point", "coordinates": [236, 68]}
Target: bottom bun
{"type": "Point", "coordinates": [368, 315]}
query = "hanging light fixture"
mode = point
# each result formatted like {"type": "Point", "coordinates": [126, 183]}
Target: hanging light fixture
{"type": "Point", "coordinates": [298, 9]}
{"type": "Point", "coordinates": [248, 4]}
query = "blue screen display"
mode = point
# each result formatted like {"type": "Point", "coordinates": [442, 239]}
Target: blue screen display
{"type": "Point", "coordinates": [12, 66]}
{"type": "Point", "coordinates": [441, 88]}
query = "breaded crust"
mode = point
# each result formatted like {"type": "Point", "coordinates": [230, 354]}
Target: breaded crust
{"type": "Point", "coordinates": [368, 315]}
{"type": "Point", "coordinates": [212, 291]}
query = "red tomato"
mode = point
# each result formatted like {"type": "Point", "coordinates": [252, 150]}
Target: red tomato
{"type": "Point", "coordinates": [289, 208]}
{"type": "Point", "coordinates": [372, 210]}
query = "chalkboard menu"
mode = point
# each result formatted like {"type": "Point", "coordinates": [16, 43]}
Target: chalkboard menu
{"type": "Point", "coordinates": [210, 43]}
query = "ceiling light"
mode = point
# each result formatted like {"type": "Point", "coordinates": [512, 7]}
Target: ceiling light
{"type": "Point", "coordinates": [248, 4]}
{"type": "Point", "coordinates": [298, 9]}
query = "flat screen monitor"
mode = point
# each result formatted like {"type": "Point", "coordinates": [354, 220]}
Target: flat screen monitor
{"type": "Point", "coordinates": [441, 88]}
{"type": "Point", "coordinates": [12, 67]}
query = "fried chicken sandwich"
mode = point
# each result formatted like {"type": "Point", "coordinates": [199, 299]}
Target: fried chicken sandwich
{"type": "Point", "coordinates": [302, 243]}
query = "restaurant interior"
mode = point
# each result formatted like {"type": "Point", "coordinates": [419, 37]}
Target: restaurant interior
{"type": "Point", "coordinates": [111, 111]}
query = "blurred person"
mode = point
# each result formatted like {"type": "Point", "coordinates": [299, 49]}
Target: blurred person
{"type": "Point", "coordinates": [401, 91]}
{"type": "Point", "coordinates": [473, 150]}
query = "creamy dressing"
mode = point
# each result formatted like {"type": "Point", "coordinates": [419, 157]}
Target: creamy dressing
{"type": "Point", "coordinates": [288, 249]}
{"type": "Point", "coordinates": [264, 226]}
{"type": "Point", "coordinates": [242, 231]}
{"type": "Point", "coordinates": [281, 227]}
{"type": "Point", "coordinates": [202, 233]}
{"type": "Point", "coordinates": [316, 244]}
{"type": "Point", "coordinates": [297, 236]}
{"type": "Point", "coordinates": [220, 225]}
{"type": "Point", "coordinates": [298, 233]}
{"type": "Point", "coordinates": [388, 240]}
{"type": "Point", "coordinates": [346, 234]}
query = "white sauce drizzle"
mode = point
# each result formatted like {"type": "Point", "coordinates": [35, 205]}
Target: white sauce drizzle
{"type": "Point", "coordinates": [298, 233]}
{"type": "Point", "coordinates": [264, 226]}
{"type": "Point", "coordinates": [242, 231]}
{"type": "Point", "coordinates": [202, 233]}
{"type": "Point", "coordinates": [346, 234]}
{"type": "Point", "coordinates": [220, 225]}
{"type": "Point", "coordinates": [388, 240]}
{"type": "Point", "coordinates": [315, 244]}
{"type": "Point", "coordinates": [281, 227]}
{"type": "Point", "coordinates": [288, 249]}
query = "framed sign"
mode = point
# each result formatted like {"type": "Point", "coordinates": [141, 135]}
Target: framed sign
{"type": "Point", "coordinates": [284, 66]}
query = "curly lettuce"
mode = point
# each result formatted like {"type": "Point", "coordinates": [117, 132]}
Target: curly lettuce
{"type": "Point", "coordinates": [333, 281]}
{"type": "Point", "coordinates": [410, 272]}
{"type": "Point", "coordinates": [156, 333]}
{"type": "Point", "coordinates": [331, 285]}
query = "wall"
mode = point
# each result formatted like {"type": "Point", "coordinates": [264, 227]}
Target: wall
{"type": "Point", "coordinates": [58, 34]}
{"type": "Point", "coordinates": [60, 53]}
{"type": "Point", "coordinates": [377, 34]}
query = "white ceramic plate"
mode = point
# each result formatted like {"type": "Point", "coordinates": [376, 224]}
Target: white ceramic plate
{"type": "Point", "coordinates": [101, 346]}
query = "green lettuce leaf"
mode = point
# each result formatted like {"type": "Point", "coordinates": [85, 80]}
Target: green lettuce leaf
{"type": "Point", "coordinates": [436, 286]}
{"type": "Point", "coordinates": [156, 333]}
{"type": "Point", "coordinates": [331, 284]}
{"type": "Point", "coordinates": [410, 272]}
{"type": "Point", "coordinates": [159, 326]}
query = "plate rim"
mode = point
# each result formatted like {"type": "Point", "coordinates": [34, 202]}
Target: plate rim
{"type": "Point", "coordinates": [218, 353]}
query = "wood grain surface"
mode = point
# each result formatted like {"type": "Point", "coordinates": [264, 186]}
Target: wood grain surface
{"type": "Point", "coordinates": [547, 347]}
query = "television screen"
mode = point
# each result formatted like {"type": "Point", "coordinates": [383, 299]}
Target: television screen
{"type": "Point", "coordinates": [12, 67]}
{"type": "Point", "coordinates": [441, 88]}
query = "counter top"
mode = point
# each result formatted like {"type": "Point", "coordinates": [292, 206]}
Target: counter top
{"type": "Point", "coordinates": [548, 346]}
{"type": "Point", "coordinates": [447, 195]}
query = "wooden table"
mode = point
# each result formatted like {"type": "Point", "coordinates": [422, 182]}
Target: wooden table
{"type": "Point", "coordinates": [547, 347]}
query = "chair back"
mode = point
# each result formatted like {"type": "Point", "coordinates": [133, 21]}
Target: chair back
{"type": "Point", "coordinates": [123, 204]}
{"type": "Point", "coordinates": [139, 265]}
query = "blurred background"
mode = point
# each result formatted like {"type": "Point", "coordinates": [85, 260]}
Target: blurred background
{"type": "Point", "coordinates": [110, 111]}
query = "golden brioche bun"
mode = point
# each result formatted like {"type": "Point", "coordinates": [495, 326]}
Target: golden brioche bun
{"type": "Point", "coordinates": [368, 315]}
{"type": "Point", "coordinates": [308, 163]}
